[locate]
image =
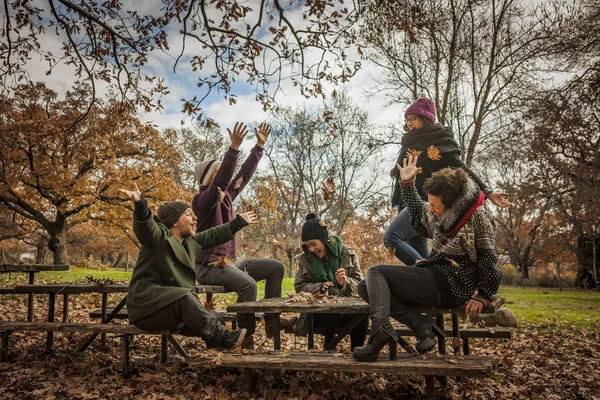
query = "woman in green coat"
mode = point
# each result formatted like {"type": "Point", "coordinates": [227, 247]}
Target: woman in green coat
{"type": "Point", "coordinates": [162, 289]}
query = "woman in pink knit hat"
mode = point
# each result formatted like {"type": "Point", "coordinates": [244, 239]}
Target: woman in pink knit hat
{"type": "Point", "coordinates": [436, 149]}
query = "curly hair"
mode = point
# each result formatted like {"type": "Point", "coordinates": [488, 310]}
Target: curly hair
{"type": "Point", "coordinates": [448, 184]}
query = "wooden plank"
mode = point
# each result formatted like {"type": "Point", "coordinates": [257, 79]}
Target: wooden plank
{"type": "Point", "coordinates": [33, 267]}
{"type": "Point", "coordinates": [122, 329]}
{"type": "Point", "coordinates": [492, 333]}
{"type": "Point", "coordinates": [405, 364]}
{"type": "Point", "coordinates": [122, 314]}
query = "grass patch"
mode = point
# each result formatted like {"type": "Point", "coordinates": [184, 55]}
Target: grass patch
{"type": "Point", "coordinates": [539, 306]}
{"type": "Point", "coordinates": [551, 307]}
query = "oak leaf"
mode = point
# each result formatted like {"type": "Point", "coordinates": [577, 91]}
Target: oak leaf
{"type": "Point", "coordinates": [414, 153]}
{"type": "Point", "coordinates": [238, 183]}
{"type": "Point", "coordinates": [433, 153]}
{"type": "Point", "coordinates": [224, 260]}
{"type": "Point", "coordinates": [328, 188]}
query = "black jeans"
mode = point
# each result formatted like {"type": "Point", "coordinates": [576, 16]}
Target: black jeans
{"type": "Point", "coordinates": [241, 278]}
{"type": "Point", "coordinates": [390, 290]}
{"type": "Point", "coordinates": [188, 316]}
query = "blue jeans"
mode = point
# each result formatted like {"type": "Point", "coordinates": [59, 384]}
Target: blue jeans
{"type": "Point", "coordinates": [408, 245]}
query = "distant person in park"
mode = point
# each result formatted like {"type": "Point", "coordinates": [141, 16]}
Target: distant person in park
{"type": "Point", "coordinates": [462, 266]}
{"type": "Point", "coordinates": [213, 206]}
{"type": "Point", "coordinates": [328, 267]}
{"type": "Point", "coordinates": [436, 148]}
{"type": "Point", "coordinates": [161, 293]}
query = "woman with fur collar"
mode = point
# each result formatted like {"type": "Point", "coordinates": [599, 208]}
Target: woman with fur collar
{"type": "Point", "coordinates": [437, 149]}
{"type": "Point", "coordinates": [328, 267]}
{"type": "Point", "coordinates": [462, 267]}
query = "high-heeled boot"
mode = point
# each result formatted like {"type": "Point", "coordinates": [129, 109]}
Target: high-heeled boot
{"type": "Point", "coordinates": [421, 326]}
{"type": "Point", "coordinates": [370, 352]}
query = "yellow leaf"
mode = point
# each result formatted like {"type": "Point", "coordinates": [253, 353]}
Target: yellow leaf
{"type": "Point", "coordinates": [433, 153]}
{"type": "Point", "coordinates": [238, 183]}
{"type": "Point", "coordinates": [328, 188]}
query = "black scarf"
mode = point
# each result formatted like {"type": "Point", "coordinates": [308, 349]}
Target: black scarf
{"type": "Point", "coordinates": [421, 140]}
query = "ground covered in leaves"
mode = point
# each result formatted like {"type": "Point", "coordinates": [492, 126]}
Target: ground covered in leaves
{"type": "Point", "coordinates": [540, 362]}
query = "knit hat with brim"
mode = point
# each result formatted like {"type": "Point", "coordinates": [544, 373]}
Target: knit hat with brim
{"type": "Point", "coordinates": [423, 107]}
{"type": "Point", "coordinates": [204, 171]}
{"type": "Point", "coordinates": [170, 212]}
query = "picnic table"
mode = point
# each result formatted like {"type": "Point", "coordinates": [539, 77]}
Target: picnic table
{"type": "Point", "coordinates": [348, 305]}
{"type": "Point", "coordinates": [31, 269]}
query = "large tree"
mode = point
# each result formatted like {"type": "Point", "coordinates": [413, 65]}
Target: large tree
{"type": "Point", "coordinates": [60, 166]}
{"type": "Point", "coordinates": [476, 59]}
{"type": "Point", "coordinates": [223, 41]}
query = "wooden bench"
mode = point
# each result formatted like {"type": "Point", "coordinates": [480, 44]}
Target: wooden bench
{"type": "Point", "coordinates": [404, 364]}
{"type": "Point", "coordinates": [124, 331]}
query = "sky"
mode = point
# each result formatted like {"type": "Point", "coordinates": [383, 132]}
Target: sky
{"type": "Point", "coordinates": [182, 84]}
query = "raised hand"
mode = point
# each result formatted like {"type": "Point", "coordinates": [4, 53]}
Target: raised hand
{"type": "Point", "coordinates": [340, 276]}
{"type": "Point", "coordinates": [250, 217]}
{"type": "Point", "coordinates": [409, 169]}
{"type": "Point", "coordinates": [262, 134]}
{"type": "Point", "coordinates": [499, 199]}
{"type": "Point", "coordinates": [237, 136]}
{"type": "Point", "coordinates": [133, 195]}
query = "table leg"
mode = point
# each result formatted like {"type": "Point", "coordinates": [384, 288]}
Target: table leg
{"type": "Point", "coordinates": [441, 345]}
{"type": "Point", "coordinates": [109, 318]}
{"type": "Point", "coordinates": [456, 334]}
{"type": "Point", "coordinates": [276, 331]}
{"type": "Point", "coordinates": [65, 308]}
{"type": "Point", "coordinates": [104, 307]}
{"type": "Point", "coordinates": [311, 331]}
{"type": "Point", "coordinates": [177, 346]}
{"type": "Point", "coordinates": [164, 350]}
{"type": "Point", "coordinates": [50, 337]}
{"type": "Point", "coordinates": [345, 331]}
{"type": "Point", "coordinates": [30, 299]}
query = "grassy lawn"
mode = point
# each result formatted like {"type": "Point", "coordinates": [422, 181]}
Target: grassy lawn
{"type": "Point", "coordinates": [538, 306]}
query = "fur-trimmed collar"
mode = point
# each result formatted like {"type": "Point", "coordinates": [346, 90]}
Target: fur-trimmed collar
{"type": "Point", "coordinates": [454, 214]}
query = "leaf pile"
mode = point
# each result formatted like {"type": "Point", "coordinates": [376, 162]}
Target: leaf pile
{"type": "Point", "coordinates": [541, 362]}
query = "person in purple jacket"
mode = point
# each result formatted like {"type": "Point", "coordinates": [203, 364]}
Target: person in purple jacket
{"type": "Point", "coordinates": [213, 206]}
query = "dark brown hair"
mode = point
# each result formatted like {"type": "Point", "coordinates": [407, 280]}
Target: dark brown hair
{"type": "Point", "coordinates": [426, 122]}
{"type": "Point", "coordinates": [448, 184]}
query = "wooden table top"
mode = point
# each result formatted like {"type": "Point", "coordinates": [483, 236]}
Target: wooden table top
{"type": "Point", "coordinates": [350, 305]}
{"type": "Point", "coordinates": [5, 268]}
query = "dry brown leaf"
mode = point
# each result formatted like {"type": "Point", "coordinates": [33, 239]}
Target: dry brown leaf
{"type": "Point", "coordinates": [221, 194]}
{"type": "Point", "coordinates": [224, 260]}
{"type": "Point", "coordinates": [452, 360]}
{"type": "Point", "coordinates": [218, 359]}
{"type": "Point", "coordinates": [302, 297]}
{"type": "Point", "coordinates": [328, 188]}
{"type": "Point", "coordinates": [278, 244]}
{"type": "Point", "coordinates": [238, 183]}
{"type": "Point", "coordinates": [433, 153]}
{"type": "Point", "coordinates": [452, 262]}
{"type": "Point", "coordinates": [414, 153]}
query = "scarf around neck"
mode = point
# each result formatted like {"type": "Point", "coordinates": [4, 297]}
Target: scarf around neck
{"type": "Point", "coordinates": [326, 273]}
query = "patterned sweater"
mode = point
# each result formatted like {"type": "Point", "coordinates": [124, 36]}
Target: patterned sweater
{"type": "Point", "coordinates": [464, 262]}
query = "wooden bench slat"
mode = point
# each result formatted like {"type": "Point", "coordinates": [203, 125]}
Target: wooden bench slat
{"type": "Point", "coordinates": [122, 314]}
{"type": "Point", "coordinates": [405, 364]}
{"type": "Point", "coordinates": [492, 333]}
{"type": "Point", "coordinates": [83, 288]}
{"type": "Point", "coordinates": [117, 329]}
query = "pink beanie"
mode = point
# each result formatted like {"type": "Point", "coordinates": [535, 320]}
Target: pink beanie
{"type": "Point", "coordinates": [424, 107]}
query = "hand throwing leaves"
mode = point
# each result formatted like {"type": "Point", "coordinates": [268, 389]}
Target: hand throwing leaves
{"type": "Point", "coordinates": [262, 134]}
{"type": "Point", "coordinates": [237, 136]}
{"type": "Point", "coordinates": [133, 195]}
{"type": "Point", "coordinates": [250, 217]}
{"type": "Point", "coordinates": [409, 169]}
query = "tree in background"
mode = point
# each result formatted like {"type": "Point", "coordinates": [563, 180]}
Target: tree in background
{"type": "Point", "coordinates": [60, 168]}
{"type": "Point", "coordinates": [220, 42]}
{"type": "Point", "coordinates": [476, 60]}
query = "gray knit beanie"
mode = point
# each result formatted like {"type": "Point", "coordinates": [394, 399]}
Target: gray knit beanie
{"type": "Point", "coordinates": [170, 212]}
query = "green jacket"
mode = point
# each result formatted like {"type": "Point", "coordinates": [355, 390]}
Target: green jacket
{"type": "Point", "coordinates": [164, 271]}
{"type": "Point", "coordinates": [304, 282]}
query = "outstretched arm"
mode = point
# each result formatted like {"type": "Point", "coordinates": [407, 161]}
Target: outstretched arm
{"type": "Point", "coordinates": [224, 233]}
{"type": "Point", "coordinates": [416, 206]}
{"type": "Point", "coordinates": [144, 227]}
{"type": "Point", "coordinates": [249, 166]}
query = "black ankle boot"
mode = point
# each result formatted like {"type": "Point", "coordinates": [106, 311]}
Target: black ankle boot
{"type": "Point", "coordinates": [370, 352]}
{"type": "Point", "coordinates": [421, 326]}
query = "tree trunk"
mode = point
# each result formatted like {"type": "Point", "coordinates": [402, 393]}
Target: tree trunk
{"type": "Point", "coordinates": [524, 272]}
{"type": "Point", "coordinates": [40, 249]}
{"type": "Point", "coordinates": [118, 260]}
{"type": "Point", "coordinates": [558, 274]}
{"type": "Point", "coordinates": [58, 245]}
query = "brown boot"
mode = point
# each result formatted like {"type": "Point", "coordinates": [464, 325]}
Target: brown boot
{"type": "Point", "coordinates": [284, 323]}
{"type": "Point", "coordinates": [248, 343]}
